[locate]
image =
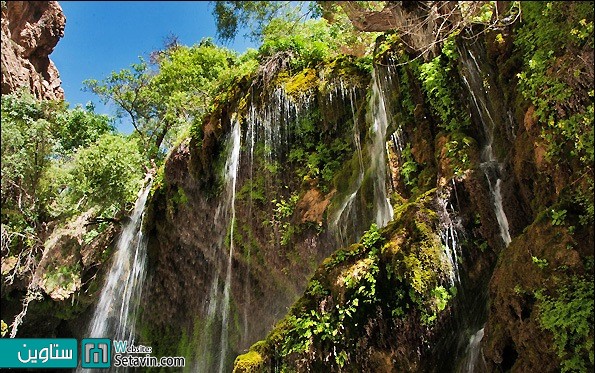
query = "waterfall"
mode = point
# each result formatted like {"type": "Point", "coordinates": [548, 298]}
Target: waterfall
{"type": "Point", "coordinates": [343, 220]}
{"type": "Point", "coordinates": [473, 352]}
{"type": "Point", "coordinates": [449, 232]}
{"type": "Point", "coordinates": [214, 345]}
{"type": "Point", "coordinates": [473, 79]}
{"type": "Point", "coordinates": [489, 164]}
{"type": "Point", "coordinates": [340, 220]}
{"type": "Point", "coordinates": [231, 174]}
{"type": "Point", "coordinates": [115, 314]}
{"type": "Point", "coordinates": [384, 210]}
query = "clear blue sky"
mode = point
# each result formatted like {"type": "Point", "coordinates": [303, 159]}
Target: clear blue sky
{"type": "Point", "coordinates": [105, 36]}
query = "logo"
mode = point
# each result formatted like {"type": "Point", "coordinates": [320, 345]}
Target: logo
{"type": "Point", "coordinates": [38, 353]}
{"type": "Point", "coordinates": [96, 353]}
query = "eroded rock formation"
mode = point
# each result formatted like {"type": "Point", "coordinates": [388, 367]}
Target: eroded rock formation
{"type": "Point", "coordinates": [30, 31]}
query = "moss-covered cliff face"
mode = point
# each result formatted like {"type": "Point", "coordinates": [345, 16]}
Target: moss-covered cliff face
{"type": "Point", "coordinates": [297, 134]}
{"type": "Point", "coordinates": [541, 308]}
{"type": "Point", "coordinates": [501, 149]}
{"type": "Point", "coordinates": [368, 304]}
{"type": "Point", "coordinates": [484, 256]}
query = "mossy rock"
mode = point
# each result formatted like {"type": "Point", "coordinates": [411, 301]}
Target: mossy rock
{"type": "Point", "coordinates": [397, 269]}
{"type": "Point", "coordinates": [532, 273]}
{"type": "Point", "coordinates": [250, 362]}
{"type": "Point", "coordinates": [297, 85]}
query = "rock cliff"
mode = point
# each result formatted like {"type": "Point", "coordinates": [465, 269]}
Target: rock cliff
{"type": "Point", "coordinates": [30, 31]}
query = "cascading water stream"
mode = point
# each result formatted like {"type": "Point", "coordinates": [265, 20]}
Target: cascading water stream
{"type": "Point", "coordinates": [449, 233]}
{"type": "Point", "coordinates": [115, 314]}
{"type": "Point", "coordinates": [344, 212]}
{"type": "Point", "coordinates": [490, 165]}
{"type": "Point", "coordinates": [231, 174]}
{"type": "Point", "coordinates": [492, 169]}
{"type": "Point", "coordinates": [374, 164]}
{"type": "Point", "coordinates": [384, 210]}
{"type": "Point", "coordinates": [473, 351]}
{"type": "Point", "coordinates": [212, 354]}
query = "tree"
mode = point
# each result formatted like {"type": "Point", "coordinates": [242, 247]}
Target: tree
{"type": "Point", "coordinates": [80, 127]}
{"type": "Point", "coordinates": [56, 163]}
{"type": "Point", "coordinates": [187, 80]}
{"type": "Point", "coordinates": [36, 135]}
{"type": "Point", "coordinates": [422, 25]}
{"type": "Point", "coordinates": [106, 175]}
{"type": "Point", "coordinates": [27, 142]}
{"type": "Point", "coordinates": [231, 16]}
{"type": "Point", "coordinates": [159, 101]}
{"type": "Point", "coordinates": [39, 141]}
{"type": "Point", "coordinates": [130, 89]}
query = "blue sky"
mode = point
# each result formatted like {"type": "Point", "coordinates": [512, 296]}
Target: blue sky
{"type": "Point", "coordinates": [105, 36]}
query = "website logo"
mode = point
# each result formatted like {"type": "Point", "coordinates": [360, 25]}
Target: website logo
{"type": "Point", "coordinates": [96, 353]}
{"type": "Point", "coordinates": [38, 353]}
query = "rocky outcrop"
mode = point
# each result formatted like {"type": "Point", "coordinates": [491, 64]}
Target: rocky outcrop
{"type": "Point", "coordinates": [30, 31]}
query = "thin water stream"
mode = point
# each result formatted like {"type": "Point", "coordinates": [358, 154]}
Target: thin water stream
{"type": "Point", "coordinates": [231, 176]}
{"type": "Point", "coordinates": [384, 210]}
{"type": "Point", "coordinates": [492, 169]}
{"type": "Point", "coordinates": [116, 312]}
{"type": "Point", "coordinates": [374, 164]}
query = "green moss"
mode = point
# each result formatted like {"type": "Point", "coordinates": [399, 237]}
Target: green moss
{"type": "Point", "coordinates": [69, 309]}
{"type": "Point", "coordinates": [180, 197]}
{"type": "Point", "coordinates": [177, 198]}
{"type": "Point", "coordinates": [297, 85]}
{"type": "Point", "coordinates": [63, 281]}
{"type": "Point", "coordinates": [159, 179]}
{"type": "Point", "coordinates": [347, 176]}
{"type": "Point", "coordinates": [342, 255]}
{"type": "Point", "coordinates": [397, 269]}
{"type": "Point", "coordinates": [351, 72]}
{"type": "Point", "coordinates": [189, 343]}
{"type": "Point", "coordinates": [426, 180]}
{"type": "Point", "coordinates": [164, 340]}
{"type": "Point", "coordinates": [250, 362]}
{"type": "Point", "coordinates": [253, 190]}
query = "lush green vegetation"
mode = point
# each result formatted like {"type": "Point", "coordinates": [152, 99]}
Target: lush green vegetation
{"type": "Point", "coordinates": [556, 43]}
{"type": "Point", "coordinates": [568, 315]}
{"type": "Point", "coordinates": [231, 16]}
{"type": "Point", "coordinates": [163, 98]}
{"type": "Point", "coordinates": [105, 175]}
{"type": "Point", "coordinates": [555, 79]}
{"type": "Point", "coordinates": [57, 163]}
{"type": "Point", "coordinates": [440, 86]}
{"type": "Point", "coordinates": [391, 274]}
{"type": "Point", "coordinates": [312, 41]}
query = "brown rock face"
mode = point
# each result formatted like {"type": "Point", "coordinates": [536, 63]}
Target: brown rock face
{"type": "Point", "coordinates": [30, 31]}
